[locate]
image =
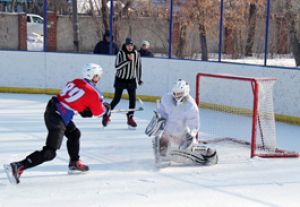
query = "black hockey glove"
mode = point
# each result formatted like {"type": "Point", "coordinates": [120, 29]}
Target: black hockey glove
{"type": "Point", "coordinates": [86, 113]}
{"type": "Point", "coordinates": [140, 82]}
{"type": "Point", "coordinates": [107, 109]}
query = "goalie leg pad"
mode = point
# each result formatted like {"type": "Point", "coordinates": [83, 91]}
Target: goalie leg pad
{"type": "Point", "coordinates": [160, 149]}
{"type": "Point", "coordinates": [202, 156]}
{"type": "Point", "coordinates": [155, 143]}
{"type": "Point", "coordinates": [211, 157]}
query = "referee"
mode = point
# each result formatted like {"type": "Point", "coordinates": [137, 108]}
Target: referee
{"type": "Point", "coordinates": [128, 75]}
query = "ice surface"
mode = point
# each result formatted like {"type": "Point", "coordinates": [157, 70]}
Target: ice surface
{"type": "Point", "coordinates": [122, 167]}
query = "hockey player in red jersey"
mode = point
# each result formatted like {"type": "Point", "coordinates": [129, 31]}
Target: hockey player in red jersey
{"type": "Point", "coordinates": [79, 96]}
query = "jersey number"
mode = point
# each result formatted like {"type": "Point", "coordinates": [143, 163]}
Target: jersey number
{"type": "Point", "coordinates": [73, 92]}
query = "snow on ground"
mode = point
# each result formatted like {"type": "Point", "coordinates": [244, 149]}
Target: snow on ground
{"type": "Point", "coordinates": [122, 171]}
{"type": "Point", "coordinates": [35, 42]}
{"type": "Point", "coordinates": [279, 61]}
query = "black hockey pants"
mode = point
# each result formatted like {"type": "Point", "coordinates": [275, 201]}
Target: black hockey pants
{"type": "Point", "coordinates": [56, 131]}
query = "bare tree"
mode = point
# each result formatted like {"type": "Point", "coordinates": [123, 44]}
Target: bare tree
{"type": "Point", "coordinates": [234, 13]}
{"type": "Point", "coordinates": [290, 14]}
{"type": "Point", "coordinates": [94, 11]}
{"type": "Point", "coordinates": [182, 39]}
{"type": "Point", "coordinates": [201, 18]}
{"type": "Point", "coordinates": [75, 25]}
{"type": "Point", "coordinates": [105, 19]}
{"type": "Point", "coordinates": [120, 12]}
{"type": "Point", "coordinates": [58, 6]}
{"type": "Point", "coordinates": [251, 28]}
{"type": "Point", "coordinates": [255, 10]}
{"type": "Point", "coordinates": [37, 7]}
{"type": "Point", "coordinates": [13, 5]}
{"type": "Point", "coordinates": [196, 17]}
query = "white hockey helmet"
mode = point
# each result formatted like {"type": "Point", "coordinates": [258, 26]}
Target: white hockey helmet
{"type": "Point", "coordinates": [180, 90]}
{"type": "Point", "coordinates": [89, 70]}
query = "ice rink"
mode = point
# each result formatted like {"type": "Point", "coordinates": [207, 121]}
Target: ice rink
{"type": "Point", "coordinates": [122, 166]}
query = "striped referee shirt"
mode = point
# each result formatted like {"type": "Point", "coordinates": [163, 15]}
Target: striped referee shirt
{"type": "Point", "coordinates": [127, 69]}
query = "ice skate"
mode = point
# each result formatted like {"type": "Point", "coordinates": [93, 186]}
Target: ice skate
{"type": "Point", "coordinates": [105, 121]}
{"type": "Point", "coordinates": [14, 171]}
{"type": "Point", "coordinates": [76, 167]}
{"type": "Point", "coordinates": [131, 122]}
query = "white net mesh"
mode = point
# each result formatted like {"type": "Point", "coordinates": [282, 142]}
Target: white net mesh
{"type": "Point", "coordinates": [266, 135]}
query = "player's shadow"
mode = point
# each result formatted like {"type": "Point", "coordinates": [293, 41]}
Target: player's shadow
{"type": "Point", "coordinates": [62, 169]}
{"type": "Point", "coordinates": [121, 166]}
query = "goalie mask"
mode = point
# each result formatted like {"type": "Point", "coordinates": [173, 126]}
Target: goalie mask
{"type": "Point", "coordinates": [180, 91]}
{"type": "Point", "coordinates": [90, 70]}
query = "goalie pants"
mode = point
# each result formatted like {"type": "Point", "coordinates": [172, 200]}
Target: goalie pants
{"type": "Point", "coordinates": [56, 131]}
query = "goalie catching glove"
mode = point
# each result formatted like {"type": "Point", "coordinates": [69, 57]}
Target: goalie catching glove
{"type": "Point", "coordinates": [156, 125]}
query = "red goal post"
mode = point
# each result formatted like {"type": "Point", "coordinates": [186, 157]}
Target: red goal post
{"type": "Point", "coordinates": [248, 97]}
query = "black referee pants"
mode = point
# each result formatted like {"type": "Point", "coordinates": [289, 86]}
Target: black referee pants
{"type": "Point", "coordinates": [118, 95]}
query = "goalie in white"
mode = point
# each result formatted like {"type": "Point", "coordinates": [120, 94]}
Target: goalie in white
{"type": "Point", "coordinates": [175, 128]}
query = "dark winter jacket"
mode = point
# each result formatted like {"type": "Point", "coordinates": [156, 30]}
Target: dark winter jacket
{"type": "Point", "coordinates": [145, 53]}
{"type": "Point", "coordinates": [102, 47]}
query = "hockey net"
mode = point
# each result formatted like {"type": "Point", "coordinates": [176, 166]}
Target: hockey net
{"type": "Point", "coordinates": [238, 110]}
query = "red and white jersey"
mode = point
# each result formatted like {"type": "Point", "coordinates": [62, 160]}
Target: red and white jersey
{"type": "Point", "coordinates": [79, 94]}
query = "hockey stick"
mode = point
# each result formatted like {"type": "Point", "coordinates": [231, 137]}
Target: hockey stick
{"type": "Point", "coordinates": [127, 110]}
{"type": "Point", "coordinates": [141, 108]}
{"type": "Point", "coordinates": [140, 101]}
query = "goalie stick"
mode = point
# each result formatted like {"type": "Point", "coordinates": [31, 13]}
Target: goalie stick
{"type": "Point", "coordinates": [209, 157]}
